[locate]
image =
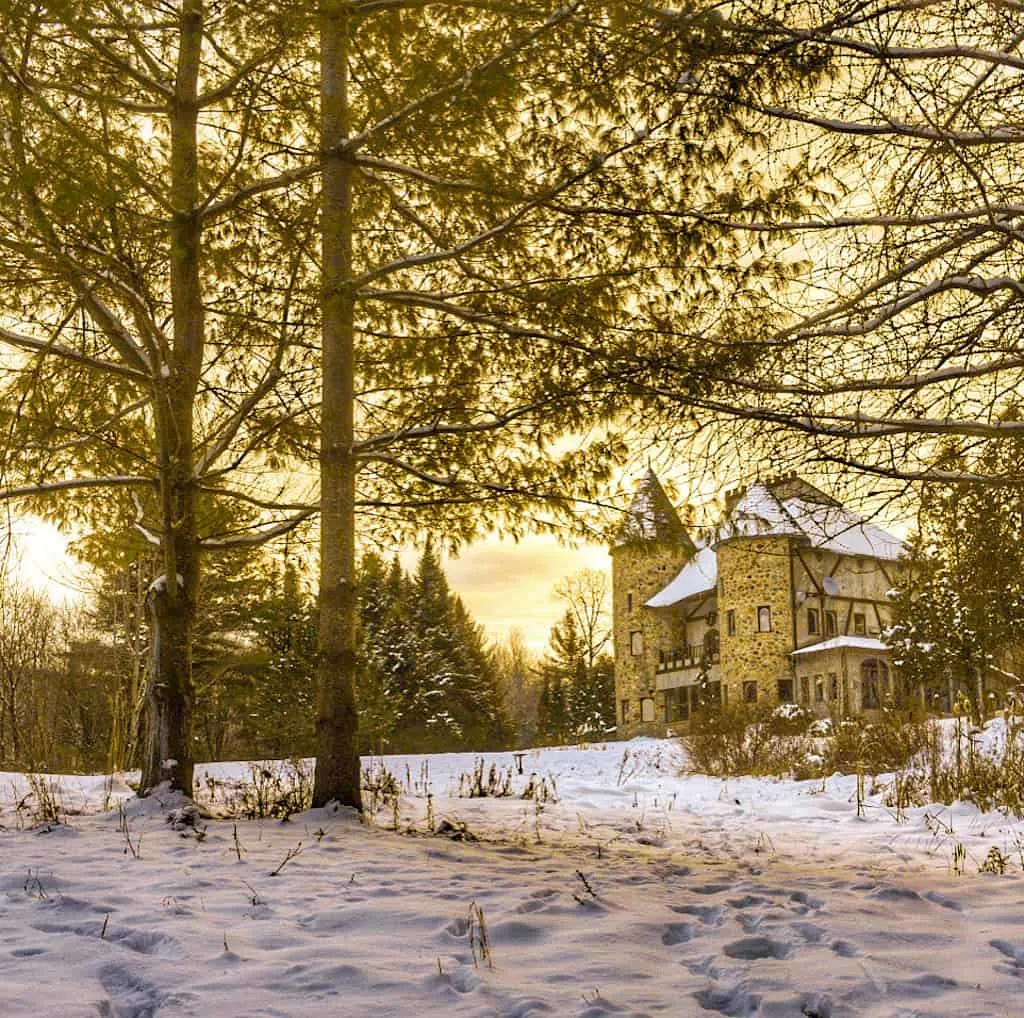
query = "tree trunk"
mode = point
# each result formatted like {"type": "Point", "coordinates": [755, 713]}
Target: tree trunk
{"type": "Point", "coordinates": [168, 746]}
{"type": "Point", "coordinates": [169, 753]}
{"type": "Point", "coordinates": [337, 766]}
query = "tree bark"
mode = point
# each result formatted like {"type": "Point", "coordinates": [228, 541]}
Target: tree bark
{"type": "Point", "coordinates": [337, 768]}
{"type": "Point", "coordinates": [169, 754]}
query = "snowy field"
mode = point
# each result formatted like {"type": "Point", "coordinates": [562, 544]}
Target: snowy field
{"type": "Point", "coordinates": [639, 891]}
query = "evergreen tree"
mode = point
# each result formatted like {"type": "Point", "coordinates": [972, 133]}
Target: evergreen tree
{"type": "Point", "coordinates": [578, 697]}
{"type": "Point", "coordinates": [959, 614]}
{"type": "Point", "coordinates": [429, 681]}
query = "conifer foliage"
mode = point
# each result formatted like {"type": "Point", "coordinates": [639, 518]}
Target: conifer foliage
{"type": "Point", "coordinates": [429, 681]}
{"type": "Point", "coordinates": [959, 614]}
{"type": "Point", "coordinates": [577, 695]}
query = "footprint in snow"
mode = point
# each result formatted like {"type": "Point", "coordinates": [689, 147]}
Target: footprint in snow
{"type": "Point", "coordinates": [731, 1001]}
{"type": "Point", "coordinates": [811, 932]}
{"type": "Point", "coordinates": [130, 995]}
{"type": "Point", "coordinates": [676, 933]}
{"type": "Point", "coordinates": [941, 899]}
{"type": "Point", "coordinates": [803, 898]}
{"type": "Point", "coordinates": [709, 915]}
{"type": "Point", "coordinates": [900, 895]}
{"type": "Point", "coordinates": [1014, 953]}
{"type": "Point", "coordinates": [755, 948]}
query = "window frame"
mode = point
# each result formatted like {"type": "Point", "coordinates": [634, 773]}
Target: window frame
{"type": "Point", "coordinates": [813, 628]}
{"type": "Point", "coordinates": [764, 611]}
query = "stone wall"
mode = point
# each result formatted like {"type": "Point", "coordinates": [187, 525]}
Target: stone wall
{"type": "Point", "coordinates": [755, 573]}
{"type": "Point", "coordinates": [639, 571]}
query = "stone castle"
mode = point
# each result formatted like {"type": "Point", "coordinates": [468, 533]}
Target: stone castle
{"type": "Point", "coordinates": [785, 601]}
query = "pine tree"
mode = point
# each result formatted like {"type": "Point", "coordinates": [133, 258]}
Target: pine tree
{"type": "Point", "coordinates": [959, 614]}
{"type": "Point", "coordinates": [579, 697]}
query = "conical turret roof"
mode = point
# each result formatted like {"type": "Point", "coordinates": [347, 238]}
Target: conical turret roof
{"type": "Point", "coordinates": [652, 519]}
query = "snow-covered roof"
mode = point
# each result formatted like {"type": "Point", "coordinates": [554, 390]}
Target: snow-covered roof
{"type": "Point", "coordinates": [840, 642]}
{"type": "Point", "coordinates": [790, 506]}
{"type": "Point", "coordinates": [698, 576]}
{"type": "Point", "coordinates": [824, 522]}
{"type": "Point", "coordinates": [652, 517]}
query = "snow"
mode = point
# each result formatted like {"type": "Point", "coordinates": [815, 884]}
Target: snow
{"type": "Point", "coordinates": [698, 576]}
{"type": "Point", "coordinates": [759, 513]}
{"type": "Point", "coordinates": [830, 527]}
{"type": "Point", "coordinates": [840, 642]}
{"type": "Point", "coordinates": [642, 890]}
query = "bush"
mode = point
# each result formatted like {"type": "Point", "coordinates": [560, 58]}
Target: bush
{"type": "Point", "coordinates": [887, 744]}
{"type": "Point", "coordinates": [750, 739]}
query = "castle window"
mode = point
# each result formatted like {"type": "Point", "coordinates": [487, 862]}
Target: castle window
{"type": "Point", "coordinates": [785, 690]}
{"type": "Point", "coordinates": [629, 602]}
{"type": "Point", "coordinates": [819, 689]}
{"type": "Point", "coordinates": [625, 712]}
{"type": "Point", "coordinates": [812, 621]}
{"type": "Point", "coordinates": [750, 692]}
{"type": "Point", "coordinates": [833, 686]}
{"type": "Point", "coordinates": [831, 628]}
{"type": "Point", "coordinates": [805, 689]}
{"type": "Point", "coordinates": [860, 624]}
{"type": "Point", "coordinates": [764, 619]}
{"type": "Point", "coordinates": [636, 643]}
{"type": "Point", "coordinates": [730, 622]}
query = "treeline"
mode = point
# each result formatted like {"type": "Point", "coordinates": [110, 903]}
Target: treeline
{"type": "Point", "coordinates": [73, 680]}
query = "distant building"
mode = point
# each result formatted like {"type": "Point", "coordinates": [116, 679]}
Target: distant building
{"type": "Point", "coordinates": [786, 603]}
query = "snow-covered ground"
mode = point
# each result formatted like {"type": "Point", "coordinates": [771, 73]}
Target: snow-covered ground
{"type": "Point", "coordinates": [640, 891]}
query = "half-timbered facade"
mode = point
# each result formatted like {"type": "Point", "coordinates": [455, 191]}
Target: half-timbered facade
{"type": "Point", "coordinates": [786, 602]}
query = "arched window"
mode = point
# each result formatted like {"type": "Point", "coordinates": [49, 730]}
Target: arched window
{"type": "Point", "coordinates": [874, 682]}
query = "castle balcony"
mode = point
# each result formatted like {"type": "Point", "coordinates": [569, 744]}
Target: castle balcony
{"type": "Point", "coordinates": [685, 665]}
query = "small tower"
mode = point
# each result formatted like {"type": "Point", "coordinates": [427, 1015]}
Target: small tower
{"type": "Point", "coordinates": [756, 595]}
{"type": "Point", "coordinates": [648, 550]}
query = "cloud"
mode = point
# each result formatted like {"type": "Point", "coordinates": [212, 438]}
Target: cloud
{"type": "Point", "coordinates": [511, 586]}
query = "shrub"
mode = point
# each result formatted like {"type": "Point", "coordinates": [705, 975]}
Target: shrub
{"type": "Point", "coordinates": [749, 739]}
{"type": "Point", "coordinates": [889, 743]}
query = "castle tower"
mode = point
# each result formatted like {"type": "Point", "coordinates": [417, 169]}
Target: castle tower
{"type": "Point", "coordinates": [756, 616]}
{"type": "Point", "coordinates": [649, 549]}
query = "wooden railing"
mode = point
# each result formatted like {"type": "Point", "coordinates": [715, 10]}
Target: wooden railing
{"type": "Point", "coordinates": [693, 655]}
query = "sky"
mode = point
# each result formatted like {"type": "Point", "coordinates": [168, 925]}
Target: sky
{"type": "Point", "coordinates": [504, 584]}
{"type": "Point", "coordinates": [511, 586]}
